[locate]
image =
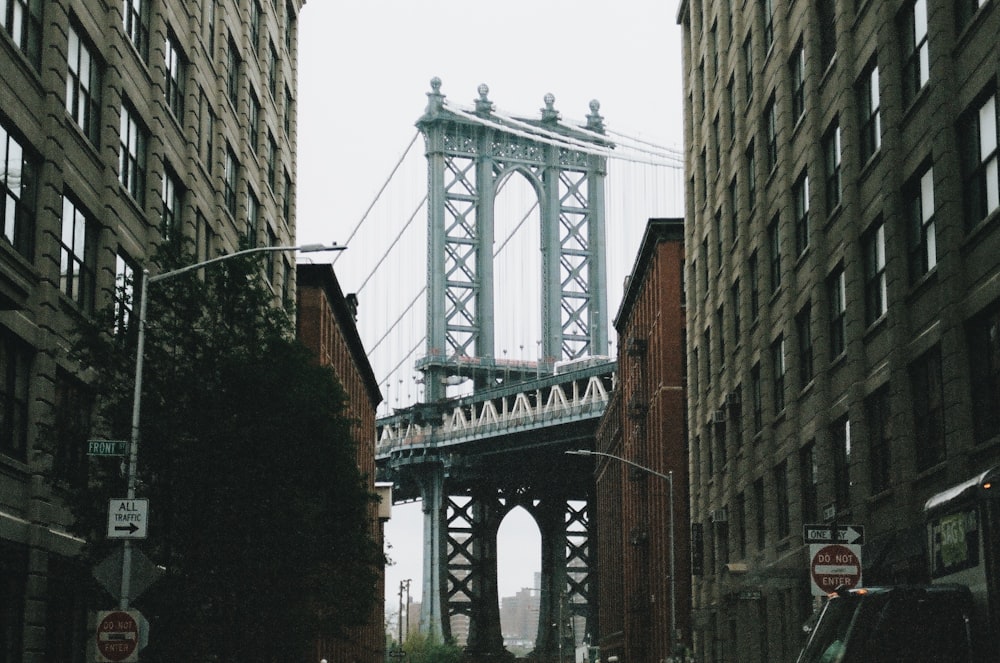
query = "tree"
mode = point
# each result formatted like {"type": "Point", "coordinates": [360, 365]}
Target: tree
{"type": "Point", "coordinates": [421, 648]}
{"type": "Point", "coordinates": [258, 511]}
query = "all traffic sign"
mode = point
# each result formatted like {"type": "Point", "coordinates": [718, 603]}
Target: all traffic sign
{"type": "Point", "coordinates": [118, 636]}
{"type": "Point", "coordinates": [128, 518]}
{"type": "Point", "coordinates": [833, 567]}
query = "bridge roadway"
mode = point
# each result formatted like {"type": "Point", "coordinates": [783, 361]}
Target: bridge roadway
{"type": "Point", "coordinates": [474, 458]}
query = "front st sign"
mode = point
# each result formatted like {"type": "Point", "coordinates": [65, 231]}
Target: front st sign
{"type": "Point", "coordinates": [128, 518]}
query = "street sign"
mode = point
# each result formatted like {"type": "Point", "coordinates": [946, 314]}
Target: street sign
{"type": "Point", "coordinates": [853, 534]}
{"type": "Point", "coordinates": [127, 519]}
{"type": "Point", "coordinates": [834, 566]}
{"type": "Point", "coordinates": [118, 636]}
{"type": "Point", "coordinates": [107, 447]}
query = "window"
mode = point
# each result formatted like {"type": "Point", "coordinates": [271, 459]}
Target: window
{"type": "Point", "coordinates": [827, 31]}
{"type": "Point", "coordinates": [831, 162]}
{"type": "Point", "coordinates": [707, 344]}
{"type": "Point", "coordinates": [132, 154]}
{"type": "Point", "coordinates": [171, 194]}
{"type": "Point", "coordinates": [72, 427]}
{"type": "Point", "coordinates": [756, 402]}
{"type": "Point", "coordinates": [753, 270]}
{"type": "Point", "coordinates": [837, 294]}
{"type": "Point", "coordinates": [797, 67]}
{"type": "Point", "coordinates": [983, 334]}
{"type": "Point", "coordinates": [124, 297]}
{"type": "Point", "coordinates": [731, 100]}
{"type": "Point", "coordinates": [868, 103]}
{"type": "Point", "coordinates": [208, 25]}
{"type": "Point", "coordinates": [809, 482]}
{"type": "Point", "coordinates": [714, 44]}
{"type": "Point", "coordinates": [800, 195]}
{"type": "Point", "coordinates": [83, 86]}
{"type": "Point", "coordinates": [272, 71]}
{"type": "Point", "coordinates": [253, 219]}
{"type": "Point", "coordinates": [254, 121]}
{"type": "Point", "coordinates": [231, 174]}
{"type": "Point", "coordinates": [771, 129]}
{"type": "Point", "coordinates": [774, 253]}
{"type": "Point", "coordinates": [918, 197]}
{"type": "Point", "coordinates": [289, 109]}
{"type": "Point", "coordinates": [255, 23]}
{"type": "Point", "coordinates": [286, 203]}
{"type": "Point", "coordinates": [879, 422]}
{"type": "Point", "coordinates": [719, 326]}
{"type": "Point", "coordinates": [748, 60]}
{"type": "Point", "coordinates": [135, 17]}
{"type": "Point", "coordinates": [22, 20]}
{"type": "Point", "coordinates": [717, 223]}
{"type": "Point", "coordinates": [289, 27]}
{"type": "Point", "coordinates": [736, 416]}
{"type": "Point", "coordinates": [876, 296]}
{"type": "Point", "coordinates": [740, 508]}
{"type": "Point", "coordinates": [751, 164]}
{"type": "Point", "coordinates": [734, 212]}
{"type": "Point", "coordinates": [78, 255]}
{"type": "Point", "coordinates": [768, 9]}
{"type": "Point", "coordinates": [734, 299]}
{"type": "Point", "coordinates": [15, 377]}
{"type": "Point", "coordinates": [716, 144]}
{"type": "Point", "coordinates": [978, 146]}
{"type": "Point", "coordinates": [965, 10]}
{"type": "Point", "coordinates": [206, 123]}
{"type": "Point", "coordinates": [840, 440]}
{"type": "Point", "coordinates": [758, 499]}
{"type": "Point", "coordinates": [272, 161]}
{"type": "Point", "coordinates": [928, 409]}
{"type": "Point", "coordinates": [175, 67]}
{"type": "Point", "coordinates": [803, 329]}
{"type": "Point", "coordinates": [778, 373]}
{"type": "Point", "coordinates": [18, 175]}
{"type": "Point", "coordinates": [233, 63]}
{"type": "Point", "coordinates": [781, 499]}
{"type": "Point", "coordinates": [916, 60]}
{"type": "Point", "coordinates": [272, 240]}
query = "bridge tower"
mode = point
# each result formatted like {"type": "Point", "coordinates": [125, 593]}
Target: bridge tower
{"type": "Point", "coordinates": [469, 154]}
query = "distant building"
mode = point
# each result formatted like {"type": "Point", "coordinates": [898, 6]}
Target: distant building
{"type": "Point", "coordinates": [645, 424]}
{"type": "Point", "coordinates": [326, 325]}
{"type": "Point", "coordinates": [519, 619]}
{"type": "Point", "coordinates": [123, 125]}
{"type": "Point", "coordinates": [843, 275]}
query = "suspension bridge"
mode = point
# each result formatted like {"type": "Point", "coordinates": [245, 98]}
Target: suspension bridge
{"type": "Point", "coordinates": [482, 268]}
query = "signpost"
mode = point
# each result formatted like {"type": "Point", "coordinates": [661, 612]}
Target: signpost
{"type": "Point", "coordinates": [127, 518]}
{"type": "Point", "coordinates": [118, 636]}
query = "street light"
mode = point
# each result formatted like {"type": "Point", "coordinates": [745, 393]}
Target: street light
{"type": "Point", "coordinates": [669, 476]}
{"type": "Point", "coordinates": [133, 455]}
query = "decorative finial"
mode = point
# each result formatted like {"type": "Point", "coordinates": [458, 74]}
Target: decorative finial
{"type": "Point", "coordinates": [483, 105]}
{"type": "Point", "coordinates": [549, 113]}
{"type": "Point", "coordinates": [435, 100]}
{"type": "Point", "coordinates": [594, 121]}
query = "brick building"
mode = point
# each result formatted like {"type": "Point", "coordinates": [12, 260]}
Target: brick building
{"type": "Point", "coordinates": [843, 254]}
{"type": "Point", "coordinates": [123, 125]}
{"type": "Point", "coordinates": [326, 325]}
{"type": "Point", "coordinates": [645, 424]}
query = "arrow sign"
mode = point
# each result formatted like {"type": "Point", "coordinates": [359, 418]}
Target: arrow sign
{"type": "Point", "coordinates": [127, 519]}
{"type": "Point", "coordinates": [849, 534]}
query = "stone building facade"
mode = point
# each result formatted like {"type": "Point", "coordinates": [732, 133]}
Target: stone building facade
{"type": "Point", "coordinates": [123, 125]}
{"type": "Point", "coordinates": [843, 255]}
{"type": "Point", "coordinates": [645, 424]}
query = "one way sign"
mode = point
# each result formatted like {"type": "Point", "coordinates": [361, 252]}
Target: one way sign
{"type": "Point", "coordinates": [852, 534]}
{"type": "Point", "coordinates": [127, 519]}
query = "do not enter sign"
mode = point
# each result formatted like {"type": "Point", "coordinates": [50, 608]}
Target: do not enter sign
{"type": "Point", "coordinates": [117, 636]}
{"type": "Point", "coordinates": [834, 566]}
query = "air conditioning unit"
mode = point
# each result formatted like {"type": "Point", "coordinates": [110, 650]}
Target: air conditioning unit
{"type": "Point", "coordinates": [719, 515]}
{"type": "Point", "coordinates": [719, 417]}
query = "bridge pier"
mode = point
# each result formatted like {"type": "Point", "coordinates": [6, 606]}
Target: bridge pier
{"type": "Point", "coordinates": [434, 621]}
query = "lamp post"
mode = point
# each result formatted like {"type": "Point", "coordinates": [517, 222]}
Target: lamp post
{"type": "Point", "coordinates": [133, 454]}
{"type": "Point", "coordinates": [669, 476]}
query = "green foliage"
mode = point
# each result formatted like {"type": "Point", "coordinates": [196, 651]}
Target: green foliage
{"type": "Point", "coordinates": [421, 648]}
{"type": "Point", "coordinates": [257, 509]}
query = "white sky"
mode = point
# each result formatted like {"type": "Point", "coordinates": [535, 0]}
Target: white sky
{"type": "Point", "coordinates": [364, 71]}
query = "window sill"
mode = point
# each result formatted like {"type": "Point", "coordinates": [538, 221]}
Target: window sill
{"type": "Point", "coordinates": [876, 326]}
{"type": "Point", "coordinates": [919, 100]}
